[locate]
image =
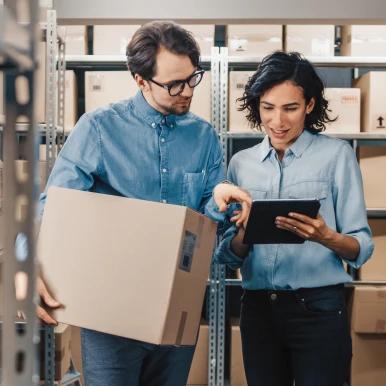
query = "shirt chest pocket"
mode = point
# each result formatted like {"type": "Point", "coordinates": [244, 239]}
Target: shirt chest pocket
{"type": "Point", "coordinates": [193, 189]}
{"type": "Point", "coordinates": [257, 194]}
{"type": "Point", "coordinates": [306, 189]}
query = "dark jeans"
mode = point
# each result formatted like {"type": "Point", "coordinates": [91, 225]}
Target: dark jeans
{"type": "Point", "coordinates": [110, 360]}
{"type": "Point", "coordinates": [300, 336]}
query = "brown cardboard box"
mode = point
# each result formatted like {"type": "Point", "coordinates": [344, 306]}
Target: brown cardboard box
{"type": "Point", "coordinates": [104, 87]}
{"type": "Point", "coordinates": [76, 39]}
{"type": "Point", "coordinates": [372, 161]}
{"type": "Point", "coordinates": [62, 351]}
{"type": "Point", "coordinates": [237, 82]}
{"type": "Point", "coordinates": [345, 105]}
{"type": "Point", "coordinates": [112, 39]}
{"type": "Point", "coordinates": [368, 325]}
{"type": "Point", "coordinates": [76, 351]}
{"type": "Point", "coordinates": [201, 103]}
{"type": "Point", "coordinates": [237, 373]}
{"type": "Point", "coordinates": [204, 35]}
{"type": "Point", "coordinates": [198, 374]}
{"type": "Point", "coordinates": [375, 268]}
{"type": "Point", "coordinates": [120, 239]}
{"type": "Point", "coordinates": [254, 40]}
{"type": "Point", "coordinates": [373, 95]}
{"type": "Point", "coordinates": [22, 172]}
{"type": "Point", "coordinates": [311, 40]}
{"type": "Point", "coordinates": [363, 40]}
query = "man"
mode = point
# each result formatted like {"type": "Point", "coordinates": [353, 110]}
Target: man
{"type": "Point", "coordinates": [148, 147]}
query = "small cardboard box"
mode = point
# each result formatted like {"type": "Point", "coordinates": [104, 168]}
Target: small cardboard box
{"type": "Point", "coordinates": [198, 374]}
{"type": "Point", "coordinates": [311, 40]}
{"type": "Point", "coordinates": [201, 102]}
{"type": "Point", "coordinates": [345, 105]}
{"type": "Point", "coordinates": [375, 268]}
{"type": "Point", "coordinates": [372, 161]}
{"type": "Point", "coordinates": [363, 40]}
{"type": "Point", "coordinates": [138, 269]}
{"type": "Point", "coordinates": [373, 96]}
{"type": "Point", "coordinates": [204, 36]}
{"type": "Point", "coordinates": [254, 40]}
{"type": "Point", "coordinates": [237, 372]}
{"type": "Point", "coordinates": [76, 39]}
{"type": "Point", "coordinates": [368, 332]}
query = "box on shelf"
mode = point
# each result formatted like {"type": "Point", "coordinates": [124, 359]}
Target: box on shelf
{"type": "Point", "coordinates": [372, 161]}
{"type": "Point", "coordinates": [237, 82]}
{"type": "Point", "coordinates": [237, 373]}
{"type": "Point", "coordinates": [22, 172]}
{"type": "Point", "coordinates": [375, 268]}
{"type": "Point", "coordinates": [112, 39]}
{"type": "Point", "coordinates": [373, 95]}
{"type": "Point", "coordinates": [104, 87]}
{"type": "Point", "coordinates": [75, 37]}
{"type": "Point", "coordinates": [198, 374]}
{"type": "Point", "coordinates": [201, 103]}
{"type": "Point", "coordinates": [168, 310]}
{"type": "Point", "coordinates": [311, 40]}
{"type": "Point", "coordinates": [363, 40]}
{"type": "Point", "coordinates": [254, 40]}
{"type": "Point", "coordinates": [62, 351]}
{"type": "Point", "coordinates": [2, 110]}
{"type": "Point", "coordinates": [368, 333]}
{"type": "Point", "coordinates": [345, 105]}
{"type": "Point", "coordinates": [76, 352]}
{"type": "Point", "coordinates": [204, 35]}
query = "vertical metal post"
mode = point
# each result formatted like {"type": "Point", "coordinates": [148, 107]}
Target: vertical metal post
{"type": "Point", "coordinates": [19, 340]}
{"type": "Point", "coordinates": [49, 356]}
{"type": "Point", "coordinates": [215, 117]}
{"type": "Point", "coordinates": [61, 92]}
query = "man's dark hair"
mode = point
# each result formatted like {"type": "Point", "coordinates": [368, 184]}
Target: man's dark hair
{"type": "Point", "coordinates": [278, 68]}
{"type": "Point", "coordinates": [142, 50]}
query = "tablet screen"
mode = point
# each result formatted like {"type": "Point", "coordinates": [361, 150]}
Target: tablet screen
{"type": "Point", "coordinates": [261, 227]}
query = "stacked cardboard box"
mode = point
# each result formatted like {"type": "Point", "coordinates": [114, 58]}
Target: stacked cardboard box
{"type": "Point", "coordinates": [363, 40]}
{"type": "Point", "coordinates": [177, 273]}
{"type": "Point", "coordinates": [204, 35]}
{"type": "Point", "coordinates": [254, 40]}
{"type": "Point", "coordinates": [373, 94]}
{"type": "Point", "coordinates": [311, 40]}
{"type": "Point", "coordinates": [198, 374]}
{"type": "Point", "coordinates": [368, 333]}
{"type": "Point", "coordinates": [237, 373]}
{"type": "Point", "coordinates": [75, 37]}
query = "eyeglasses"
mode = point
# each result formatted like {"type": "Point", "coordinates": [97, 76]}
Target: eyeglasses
{"type": "Point", "coordinates": [176, 87]}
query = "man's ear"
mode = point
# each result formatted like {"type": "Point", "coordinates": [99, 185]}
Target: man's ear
{"type": "Point", "coordinates": [141, 83]}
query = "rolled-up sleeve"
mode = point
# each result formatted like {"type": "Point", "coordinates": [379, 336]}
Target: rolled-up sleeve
{"type": "Point", "coordinates": [350, 208]}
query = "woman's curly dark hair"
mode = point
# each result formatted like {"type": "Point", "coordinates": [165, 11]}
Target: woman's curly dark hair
{"type": "Point", "coordinates": [278, 68]}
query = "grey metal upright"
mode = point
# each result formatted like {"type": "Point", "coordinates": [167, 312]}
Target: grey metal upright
{"type": "Point", "coordinates": [17, 51]}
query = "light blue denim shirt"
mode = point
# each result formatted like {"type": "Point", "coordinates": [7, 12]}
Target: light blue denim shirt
{"type": "Point", "coordinates": [315, 166]}
{"type": "Point", "coordinates": [130, 149]}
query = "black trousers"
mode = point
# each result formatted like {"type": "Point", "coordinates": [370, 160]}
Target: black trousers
{"type": "Point", "coordinates": [300, 336]}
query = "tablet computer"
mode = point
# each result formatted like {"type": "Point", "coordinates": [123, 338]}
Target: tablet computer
{"type": "Point", "coordinates": [261, 227]}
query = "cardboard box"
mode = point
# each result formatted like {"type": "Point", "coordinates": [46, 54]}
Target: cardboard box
{"type": "Point", "coordinates": [373, 95]}
{"type": "Point", "coordinates": [62, 351]}
{"type": "Point", "coordinates": [120, 239]}
{"type": "Point", "coordinates": [76, 351]}
{"type": "Point", "coordinates": [363, 40]}
{"type": "Point", "coordinates": [2, 109]}
{"type": "Point", "coordinates": [198, 374]}
{"type": "Point", "coordinates": [254, 40]}
{"type": "Point", "coordinates": [311, 40]}
{"type": "Point", "coordinates": [237, 82]}
{"type": "Point", "coordinates": [201, 102]}
{"type": "Point", "coordinates": [75, 37]}
{"type": "Point", "coordinates": [368, 325]}
{"type": "Point", "coordinates": [375, 268]}
{"type": "Point", "coordinates": [22, 172]}
{"type": "Point", "coordinates": [104, 87]}
{"type": "Point", "coordinates": [345, 105]}
{"type": "Point", "coordinates": [372, 161]}
{"type": "Point", "coordinates": [112, 39]}
{"type": "Point", "coordinates": [204, 35]}
{"type": "Point", "coordinates": [237, 373]}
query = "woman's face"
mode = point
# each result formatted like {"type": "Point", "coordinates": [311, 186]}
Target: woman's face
{"type": "Point", "coordinates": [283, 111]}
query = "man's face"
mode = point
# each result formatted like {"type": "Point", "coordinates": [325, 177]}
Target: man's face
{"type": "Point", "coordinates": [169, 67]}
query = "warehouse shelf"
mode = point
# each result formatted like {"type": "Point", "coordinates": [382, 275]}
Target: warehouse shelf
{"type": "Point", "coordinates": [354, 136]}
{"type": "Point", "coordinates": [332, 61]}
{"type": "Point", "coordinates": [237, 282]}
{"type": "Point", "coordinates": [376, 212]}
{"type": "Point", "coordinates": [24, 127]}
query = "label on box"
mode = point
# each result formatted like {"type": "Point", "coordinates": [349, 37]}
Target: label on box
{"type": "Point", "coordinates": [187, 251]}
{"type": "Point", "coordinates": [379, 121]}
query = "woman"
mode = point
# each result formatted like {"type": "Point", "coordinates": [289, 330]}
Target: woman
{"type": "Point", "coordinates": [293, 322]}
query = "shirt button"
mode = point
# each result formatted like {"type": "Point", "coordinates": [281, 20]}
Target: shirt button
{"type": "Point", "coordinates": [164, 201]}
{"type": "Point", "coordinates": [171, 125]}
{"type": "Point", "coordinates": [162, 139]}
{"type": "Point", "coordinates": [273, 296]}
{"type": "Point", "coordinates": [153, 125]}
{"type": "Point", "coordinates": [164, 170]}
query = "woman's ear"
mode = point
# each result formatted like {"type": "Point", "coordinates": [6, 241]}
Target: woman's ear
{"type": "Point", "coordinates": [310, 106]}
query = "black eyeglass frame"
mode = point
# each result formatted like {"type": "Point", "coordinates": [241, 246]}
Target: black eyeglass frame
{"type": "Point", "coordinates": [172, 84]}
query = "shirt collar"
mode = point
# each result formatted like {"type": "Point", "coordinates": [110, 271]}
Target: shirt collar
{"type": "Point", "coordinates": [149, 113]}
{"type": "Point", "coordinates": [297, 148]}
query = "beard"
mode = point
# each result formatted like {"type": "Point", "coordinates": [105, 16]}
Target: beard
{"type": "Point", "coordinates": [180, 107]}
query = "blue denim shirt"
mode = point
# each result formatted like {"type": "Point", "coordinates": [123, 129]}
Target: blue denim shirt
{"type": "Point", "coordinates": [315, 166]}
{"type": "Point", "coordinates": [130, 149]}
